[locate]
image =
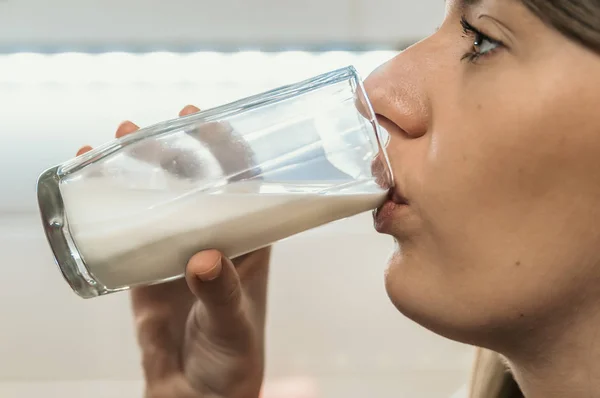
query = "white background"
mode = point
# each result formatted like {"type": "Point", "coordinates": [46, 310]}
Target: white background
{"type": "Point", "coordinates": [330, 321]}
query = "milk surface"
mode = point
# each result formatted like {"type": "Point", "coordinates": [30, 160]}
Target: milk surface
{"type": "Point", "coordinates": [132, 236]}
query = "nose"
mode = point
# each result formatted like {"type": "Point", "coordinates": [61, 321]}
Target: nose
{"type": "Point", "coordinates": [398, 94]}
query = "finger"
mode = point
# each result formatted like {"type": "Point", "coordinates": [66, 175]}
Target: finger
{"type": "Point", "coordinates": [213, 279]}
{"type": "Point", "coordinates": [188, 110]}
{"type": "Point", "coordinates": [149, 151]}
{"type": "Point", "coordinates": [179, 162]}
{"type": "Point", "coordinates": [253, 271]}
{"type": "Point", "coordinates": [230, 149]}
{"type": "Point", "coordinates": [160, 314]}
{"type": "Point", "coordinates": [125, 128]}
{"type": "Point", "coordinates": [83, 150]}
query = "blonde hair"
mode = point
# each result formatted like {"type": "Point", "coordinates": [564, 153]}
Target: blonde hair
{"type": "Point", "coordinates": [491, 377]}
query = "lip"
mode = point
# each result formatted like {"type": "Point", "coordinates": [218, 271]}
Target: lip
{"type": "Point", "coordinates": [389, 210]}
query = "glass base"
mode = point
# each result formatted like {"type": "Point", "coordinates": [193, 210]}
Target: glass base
{"type": "Point", "coordinates": [56, 228]}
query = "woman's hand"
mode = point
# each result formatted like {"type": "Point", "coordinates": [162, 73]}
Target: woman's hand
{"type": "Point", "coordinates": [203, 336]}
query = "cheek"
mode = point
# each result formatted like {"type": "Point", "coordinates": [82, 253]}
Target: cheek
{"type": "Point", "coordinates": [506, 190]}
{"type": "Point", "coordinates": [497, 161]}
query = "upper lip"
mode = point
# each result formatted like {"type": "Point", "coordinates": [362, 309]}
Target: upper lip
{"type": "Point", "coordinates": [385, 180]}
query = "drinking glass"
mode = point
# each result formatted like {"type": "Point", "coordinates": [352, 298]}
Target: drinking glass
{"type": "Point", "coordinates": [234, 178]}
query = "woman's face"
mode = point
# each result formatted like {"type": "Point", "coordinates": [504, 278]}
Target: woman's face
{"type": "Point", "coordinates": [495, 145]}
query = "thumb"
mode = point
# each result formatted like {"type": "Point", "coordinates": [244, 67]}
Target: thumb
{"type": "Point", "coordinates": [213, 279]}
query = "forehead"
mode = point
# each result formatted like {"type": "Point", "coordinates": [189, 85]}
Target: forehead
{"type": "Point", "coordinates": [462, 3]}
{"type": "Point", "coordinates": [465, 4]}
{"type": "Point", "coordinates": [470, 3]}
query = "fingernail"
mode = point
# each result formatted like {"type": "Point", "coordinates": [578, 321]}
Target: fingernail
{"type": "Point", "coordinates": [212, 273]}
{"type": "Point", "coordinates": [126, 128]}
{"type": "Point", "coordinates": [83, 150]}
{"type": "Point", "coordinates": [188, 110]}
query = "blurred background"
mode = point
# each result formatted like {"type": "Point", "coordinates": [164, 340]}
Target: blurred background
{"type": "Point", "coordinates": [72, 70]}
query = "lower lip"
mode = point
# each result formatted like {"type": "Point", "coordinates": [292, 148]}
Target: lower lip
{"type": "Point", "coordinates": [384, 215]}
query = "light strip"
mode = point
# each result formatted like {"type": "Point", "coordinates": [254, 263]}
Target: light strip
{"type": "Point", "coordinates": [257, 68]}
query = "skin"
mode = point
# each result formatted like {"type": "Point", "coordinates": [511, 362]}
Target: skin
{"type": "Point", "coordinates": [497, 246]}
{"type": "Point", "coordinates": [498, 160]}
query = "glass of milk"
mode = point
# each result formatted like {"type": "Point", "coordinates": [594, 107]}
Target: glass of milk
{"type": "Point", "coordinates": [234, 178]}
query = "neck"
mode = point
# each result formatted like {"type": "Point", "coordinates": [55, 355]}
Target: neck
{"type": "Point", "coordinates": [564, 363]}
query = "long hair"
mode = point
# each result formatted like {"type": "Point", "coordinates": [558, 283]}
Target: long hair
{"type": "Point", "coordinates": [579, 20]}
{"type": "Point", "coordinates": [491, 377]}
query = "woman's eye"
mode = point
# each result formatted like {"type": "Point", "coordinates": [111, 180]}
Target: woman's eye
{"type": "Point", "coordinates": [483, 45]}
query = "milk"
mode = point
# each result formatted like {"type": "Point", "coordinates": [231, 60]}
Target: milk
{"type": "Point", "coordinates": [135, 236]}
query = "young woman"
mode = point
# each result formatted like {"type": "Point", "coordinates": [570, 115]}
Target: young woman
{"type": "Point", "coordinates": [495, 144]}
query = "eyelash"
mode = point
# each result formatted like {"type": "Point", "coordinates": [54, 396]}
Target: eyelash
{"type": "Point", "coordinates": [478, 37]}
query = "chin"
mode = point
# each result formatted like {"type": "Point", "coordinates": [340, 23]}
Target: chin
{"type": "Point", "coordinates": [429, 299]}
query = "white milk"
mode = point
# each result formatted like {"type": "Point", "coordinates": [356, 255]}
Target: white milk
{"type": "Point", "coordinates": [127, 236]}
